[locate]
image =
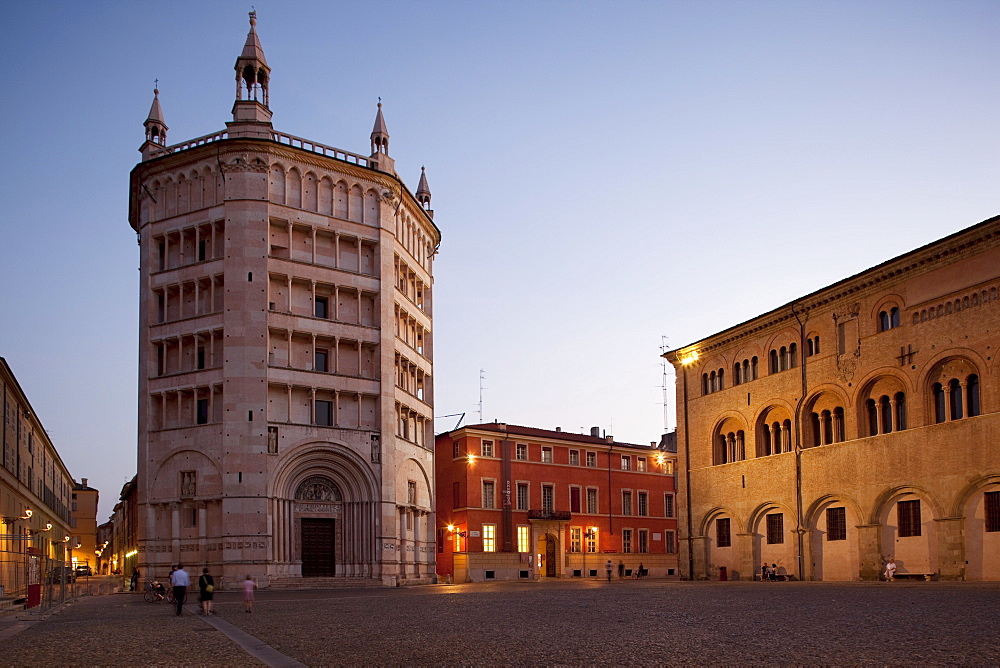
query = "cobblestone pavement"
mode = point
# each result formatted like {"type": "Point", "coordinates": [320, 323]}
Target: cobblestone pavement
{"type": "Point", "coordinates": [551, 623]}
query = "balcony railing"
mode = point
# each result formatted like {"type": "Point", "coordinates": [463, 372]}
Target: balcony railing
{"type": "Point", "coordinates": [561, 515]}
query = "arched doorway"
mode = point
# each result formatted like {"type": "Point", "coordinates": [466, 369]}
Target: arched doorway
{"type": "Point", "coordinates": [317, 507]}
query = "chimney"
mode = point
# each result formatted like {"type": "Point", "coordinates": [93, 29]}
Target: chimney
{"type": "Point", "coordinates": [609, 438]}
{"type": "Point", "coordinates": [83, 481]}
{"type": "Point", "coordinates": [595, 432]}
{"type": "Point", "coordinates": [558, 428]}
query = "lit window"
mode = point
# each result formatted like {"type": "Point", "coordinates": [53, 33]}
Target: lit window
{"type": "Point", "coordinates": [592, 540]}
{"type": "Point", "coordinates": [575, 538]}
{"type": "Point", "coordinates": [523, 544]}
{"type": "Point", "coordinates": [640, 464]}
{"type": "Point", "coordinates": [489, 538]}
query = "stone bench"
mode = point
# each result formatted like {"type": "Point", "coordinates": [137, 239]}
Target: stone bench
{"type": "Point", "coordinates": [926, 577]}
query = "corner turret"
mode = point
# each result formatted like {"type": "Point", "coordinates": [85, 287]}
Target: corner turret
{"type": "Point", "coordinates": [424, 193]}
{"type": "Point", "coordinates": [156, 129]}
{"type": "Point", "coordinates": [380, 159]}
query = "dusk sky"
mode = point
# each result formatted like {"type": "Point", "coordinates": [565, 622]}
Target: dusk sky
{"type": "Point", "coordinates": [607, 176]}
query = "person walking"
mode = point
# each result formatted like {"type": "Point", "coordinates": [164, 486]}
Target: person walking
{"type": "Point", "coordinates": [608, 566]}
{"type": "Point", "coordinates": [890, 570]}
{"type": "Point", "coordinates": [248, 586]}
{"type": "Point", "coordinates": [135, 579]}
{"type": "Point", "coordinates": [206, 588]}
{"type": "Point", "coordinates": [763, 572]}
{"type": "Point", "coordinates": [180, 580]}
{"type": "Point", "coordinates": [621, 569]}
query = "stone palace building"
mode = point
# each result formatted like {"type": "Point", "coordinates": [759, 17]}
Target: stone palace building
{"type": "Point", "coordinates": [854, 425]}
{"type": "Point", "coordinates": [285, 356]}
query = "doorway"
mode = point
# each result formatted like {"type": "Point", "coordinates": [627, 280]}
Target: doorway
{"type": "Point", "coordinates": [318, 542]}
{"type": "Point", "coordinates": [550, 556]}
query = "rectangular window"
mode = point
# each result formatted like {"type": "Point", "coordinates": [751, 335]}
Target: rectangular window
{"type": "Point", "coordinates": [548, 498]}
{"type": "Point", "coordinates": [575, 539]}
{"type": "Point", "coordinates": [456, 449]}
{"type": "Point", "coordinates": [574, 499]}
{"type": "Point", "coordinates": [321, 360]}
{"type": "Point", "coordinates": [489, 494]}
{"type": "Point", "coordinates": [991, 501]}
{"type": "Point", "coordinates": [190, 517]}
{"type": "Point", "coordinates": [202, 250]}
{"type": "Point", "coordinates": [522, 496]}
{"type": "Point", "coordinates": [547, 455]}
{"type": "Point", "coordinates": [591, 459]}
{"type": "Point", "coordinates": [626, 463]}
{"type": "Point", "coordinates": [670, 546]}
{"type": "Point", "coordinates": [486, 450]}
{"type": "Point", "coordinates": [643, 500]}
{"type": "Point", "coordinates": [722, 538]}
{"type": "Point", "coordinates": [640, 464]}
{"type": "Point", "coordinates": [202, 411]}
{"type": "Point", "coordinates": [668, 505]}
{"type": "Point", "coordinates": [908, 517]}
{"type": "Point", "coordinates": [322, 308]}
{"type": "Point", "coordinates": [324, 413]}
{"type": "Point", "coordinates": [200, 363]}
{"type": "Point", "coordinates": [574, 457]}
{"type": "Point", "coordinates": [523, 543]}
{"type": "Point", "coordinates": [836, 523]}
{"type": "Point", "coordinates": [775, 528]}
{"type": "Point", "coordinates": [522, 452]}
{"type": "Point", "coordinates": [591, 536]}
{"type": "Point", "coordinates": [489, 538]}
{"type": "Point", "coordinates": [592, 501]}
{"type": "Point", "coordinates": [643, 540]}
{"type": "Point", "coordinates": [626, 503]}
{"type": "Point", "coordinates": [626, 541]}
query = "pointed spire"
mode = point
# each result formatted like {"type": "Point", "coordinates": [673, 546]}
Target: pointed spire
{"type": "Point", "coordinates": [380, 135]}
{"type": "Point", "coordinates": [423, 190]}
{"type": "Point", "coordinates": [156, 128]}
{"type": "Point", "coordinates": [253, 77]}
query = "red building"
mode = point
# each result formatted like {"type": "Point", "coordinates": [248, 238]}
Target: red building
{"type": "Point", "coordinates": [523, 503]}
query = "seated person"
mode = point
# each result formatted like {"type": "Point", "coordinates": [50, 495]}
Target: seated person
{"type": "Point", "coordinates": [160, 590]}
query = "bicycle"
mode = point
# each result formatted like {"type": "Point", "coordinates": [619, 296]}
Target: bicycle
{"type": "Point", "coordinates": [156, 594]}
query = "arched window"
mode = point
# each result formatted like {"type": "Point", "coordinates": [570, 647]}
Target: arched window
{"type": "Point", "coordinates": [753, 368]}
{"type": "Point", "coordinates": [704, 383]}
{"type": "Point", "coordinates": [885, 409]}
{"type": "Point", "coordinates": [894, 317]}
{"type": "Point", "coordinates": [872, 411]}
{"type": "Point", "coordinates": [765, 449]}
{"type": "Point", "coordinates": [783, 359]}
{"type": "Point", "coordinates": [815, 429]}
{"type": "Point", "coordinates": [955, 392]}
{"type": "Point", "coordinates": [722, 379]}
{"type": "Point", "coordinates": [773, 362]}
{"type": "Point", "coordinates": [737, 373]}
{"type": "Point", "coordinates": [793, 353]}
{"type": "Point", "coordinates": [972, 395]}
{"type": "Point", "coordinates": [723, 451]}
{"type": "Point", "coordinates": [900, 399]}
{"type": "Point", "coordinates": [938, 393]}
{"type": "Point", "coordinates": [883, 321]}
